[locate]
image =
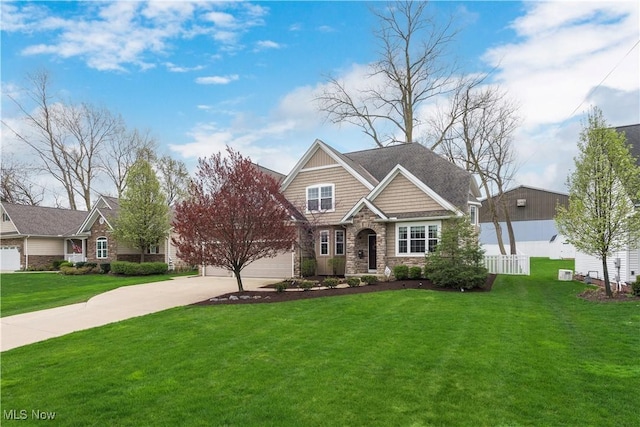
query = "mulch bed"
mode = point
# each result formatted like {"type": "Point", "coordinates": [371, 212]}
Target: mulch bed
{"type": "Point", "coordinates": [269, 295]}
{"type": "Point", "coordinates": [599, 295]}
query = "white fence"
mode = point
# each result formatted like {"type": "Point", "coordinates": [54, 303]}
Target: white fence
{"type": "Point", "coordinates": [75, 258]}
{"type": "Point", "coordinates": [508, 264]}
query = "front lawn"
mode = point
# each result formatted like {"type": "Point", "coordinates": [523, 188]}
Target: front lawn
{"type": "Point", "coordinates": [528, 353]}
{"type": "Point", "coordinates": [25, 292]}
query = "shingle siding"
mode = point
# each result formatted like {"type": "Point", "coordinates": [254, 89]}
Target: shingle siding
{"type": "Point", "coordinates": [402, 196]}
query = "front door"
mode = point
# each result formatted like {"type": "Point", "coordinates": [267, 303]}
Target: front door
{"type": "Point", "coordinates": [372, 253]}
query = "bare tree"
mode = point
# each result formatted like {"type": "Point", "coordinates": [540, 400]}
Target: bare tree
{"type": "Point", "coordinates": [90, 129]}
{"type": "Point", "coordinates": [476, 133]}
{"type": "Point", "coordinates": [413, 68]}
{"type": "Point", "coordinates": [66, 138]}
{"type": "Point", "coordinates": [174, 179]}
{"type": "Point", "coordinates": [15, 185]}
{"type": "Point", "coordinates": [122, 151]}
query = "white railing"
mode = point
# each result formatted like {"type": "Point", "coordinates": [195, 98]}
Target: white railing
{"type": "Point", "coordinates": [508, 264]}
{"type": "Point", "coordinates": [75, 258]}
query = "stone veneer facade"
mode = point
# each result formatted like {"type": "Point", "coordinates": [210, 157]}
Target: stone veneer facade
{"type": "Point", "coordinates": [357, 239]}
{"type": "Point", "coordinates": [101, 230]}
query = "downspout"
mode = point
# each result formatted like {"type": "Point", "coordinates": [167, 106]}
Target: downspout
{"type": "Point", "coordinates": [26, 253]}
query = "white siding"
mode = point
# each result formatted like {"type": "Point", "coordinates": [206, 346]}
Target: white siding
{"type": "Point", "coordinates": [592, 265]}
{"type": "Point", "coordinates": [37, 246]}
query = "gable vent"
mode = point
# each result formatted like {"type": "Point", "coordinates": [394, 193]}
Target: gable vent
{"type": "Point", "coordinates": [521, 203]}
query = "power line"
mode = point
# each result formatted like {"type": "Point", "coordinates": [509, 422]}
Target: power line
{"type": "Point", "coordinates": [603, 80]}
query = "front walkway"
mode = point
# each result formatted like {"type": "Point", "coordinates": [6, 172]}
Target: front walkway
{"type": "Point", "coordinates": [114, 306]}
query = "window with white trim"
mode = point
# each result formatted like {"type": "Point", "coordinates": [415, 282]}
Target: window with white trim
{"type": "Point", "coordinates": [324, 242]}
{"type": "Point", "coordinates": [339, 242]}
{"type": "Point", "coordinates": [153, 249]}
{"type": "Point", "coordinates": [473, 214]}
{"type": "Point", "coordinates": [321, 198]}
{"type": "Point", "coordinates": [101, 248]}
{"type": "Point", "coordinates": [417, 238]}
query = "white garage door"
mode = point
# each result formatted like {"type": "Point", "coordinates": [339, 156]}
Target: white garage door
{"type": "Point", "coordinates": [9, 258]}
{"type": "Point", "coordinates": [279, 267]}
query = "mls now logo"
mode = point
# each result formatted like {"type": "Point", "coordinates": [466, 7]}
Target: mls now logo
{"type": "Point", "coordinates": [15, 414]}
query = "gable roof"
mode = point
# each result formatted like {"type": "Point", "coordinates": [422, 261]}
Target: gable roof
{"type": "Point", "coordinates": [106, 207]}
{"type": "Point", "coordinates": [632, 132]}
{"type": "Point", "coordinates": [44, 221]}
{"type": "Point", "coordinates": [448, 180]}
{"type": "Point", "coordinates": [349, 165]}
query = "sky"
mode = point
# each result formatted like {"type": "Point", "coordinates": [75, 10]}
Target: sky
{"type": "Point", "coordinates": [201, 75]}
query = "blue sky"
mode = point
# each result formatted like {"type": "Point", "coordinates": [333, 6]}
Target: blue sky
{"type": "Point", "coordinates": [201, 75]}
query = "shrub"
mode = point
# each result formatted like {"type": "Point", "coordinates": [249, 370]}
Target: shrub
{"type": "Point", "coordinates": [281, 286]}
{"type": "Point", "coordinates": [635, 287]}
{"type": "Point", "coordinates": [65, 264]}
{"type": "Point", "coordinates": [337, 265]}
{"type": "Point", "coordinates": [138, 269]}
{"type": "Point", "coordinates": [308, 267]}
{"type": "Point", "coordinates": [415, 272]}
{"type": "Point", "coordinates": [306, 285]}
{"type": "Point", "coordinates": [330, 282]}
{"type": "Point", "coordinates": [105, 267]}
{"type": "Point", "coordinates": [401, 272]}
{"type": "Point", "coordinates": [369, 280]}
{"type": "Point", "coordinates": [353, 282]}
{"type": "Point", "coordinates": [457, 261]}
{"type": "Point", "coordinates": [57, 263]}
{"type": "Point", "coordinates": [90, 264]}
{"type": "Point", "coordinates": [80, 264]}
{"type": "Point", "coordinates": [75, 271]}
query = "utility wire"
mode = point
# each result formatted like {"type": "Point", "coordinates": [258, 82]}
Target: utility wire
{"type": "Point", "coordinates": [603, 80]}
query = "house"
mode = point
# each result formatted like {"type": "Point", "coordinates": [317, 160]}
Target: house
{"type": "Point", "coordinates": [376, 208]}
{"type": "Point", "coordinates": [532, 212]}
{"type": "Point", "coordinates": [367, 211]}
{"type": "Point", "coordinates": [35, 236]}
{"type": "Point", "coordinates": [625, 263]}
{"type": "Point", "coordinates": [32, 237]}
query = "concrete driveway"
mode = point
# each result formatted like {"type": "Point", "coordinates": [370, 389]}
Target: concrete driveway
{"type": "Point", "coordinates": [113, 306]}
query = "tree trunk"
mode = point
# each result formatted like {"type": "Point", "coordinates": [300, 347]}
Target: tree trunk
{"type": "Point", "coordinates": [239, 280]}
{"type": "Point", "coordinates": [512, 236]}
{"type": "Point", "coordinates": [142, 255]}
{"type": "Point", "coordinates": [607, 283]}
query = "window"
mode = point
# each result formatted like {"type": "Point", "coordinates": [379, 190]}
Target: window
{"type": "Point", "coordinates": [320, 198]}
{"type": "Point", "coordinates": [417, 239]}
{"type": "Point", "coordinates": [324, 242]}
{"type": "Point", "coordinates": [339, 242]}
{"type": "Point", "coordinates": [473, 214]}
{"type": "Point", "coordinates": [5, 217]}
{"type": "Point", "coordinates": [101, 248]}
{"type": "Point", "coordinates": [153, 249]}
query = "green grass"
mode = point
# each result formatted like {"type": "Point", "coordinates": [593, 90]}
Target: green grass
{"type": "Point", "coordinates": [529, 353]}
{"type": "Point", "coordinates": [25, 292]}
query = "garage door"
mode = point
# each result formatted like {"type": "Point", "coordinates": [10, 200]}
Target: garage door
{"type": "Point", "coordinates": [279, 267]}
{"type": "Point", "coordinates": [9, 258]}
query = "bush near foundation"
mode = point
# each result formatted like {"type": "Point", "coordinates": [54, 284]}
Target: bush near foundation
{"type": "Point", "coordinates": [138, 269]}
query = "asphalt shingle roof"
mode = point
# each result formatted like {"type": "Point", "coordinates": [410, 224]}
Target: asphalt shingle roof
{"type": "Point", "coordinates": [44, 221]}
{"type": "Point", "coordinates": [446, 179]}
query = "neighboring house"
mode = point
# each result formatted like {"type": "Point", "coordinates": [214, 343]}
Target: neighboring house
{"type": "Point", "coordinates": [32, 237]}
{"type": "Point", "coordinates": [35, 236]}
{"type": "Point", "coordinates": [376, 208]}
{"type": "Point", "coordinates": [532, 212]}
{"type": "Point", "coordinates": [624, 263]}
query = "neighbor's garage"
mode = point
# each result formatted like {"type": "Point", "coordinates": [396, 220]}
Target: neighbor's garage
{"type": "Point", "coordinates": [9, 258]}
{"type": "Point", "coordinates": [280, 267]}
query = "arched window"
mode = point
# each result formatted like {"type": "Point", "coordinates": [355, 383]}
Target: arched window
{"type": "Point", "coordinates": [101, 248]}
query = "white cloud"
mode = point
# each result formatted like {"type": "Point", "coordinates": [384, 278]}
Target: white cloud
{"type": "Point", "coordinates": [112, 36]}
{"type": "Point", "coordinates": [563, 53]}
{"type": "Point", "coordinates": [178, 69]}
{"type": "Point", "coordinates": [217, 80]}
{"type": "Point", "coordinates": [267, 44]}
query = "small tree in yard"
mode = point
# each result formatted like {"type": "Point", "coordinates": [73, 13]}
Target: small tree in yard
{"type": "Point", "coordinates": [143, 220]}
{"type": "Point", "coordinates": [457, 261]}
{"type": "Point", "coordinates": [601, 217]}
{"type": "Point", "coordinates": [234, 215]}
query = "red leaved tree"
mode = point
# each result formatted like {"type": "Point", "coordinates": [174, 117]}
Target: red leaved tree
{"type": "Point", "coordinates": [234, 215]}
